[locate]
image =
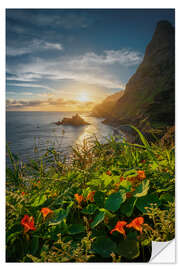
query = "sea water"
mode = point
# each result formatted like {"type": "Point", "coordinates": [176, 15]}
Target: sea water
{"type": "Point", "coordinates": [30, 134]}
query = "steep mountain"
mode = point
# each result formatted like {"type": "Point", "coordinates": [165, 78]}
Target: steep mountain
{"type": "Point", "coordinates": [104, 109]}
{"type": "Point", "coordinates": [149, 96]}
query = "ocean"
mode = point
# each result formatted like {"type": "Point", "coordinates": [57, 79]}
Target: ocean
{"type": "Point", "coordinates": [29, 134]}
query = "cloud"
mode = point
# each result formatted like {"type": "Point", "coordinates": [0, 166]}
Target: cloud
{"type": "Point", "coordinates": [13, 104]}
{"type": "Point", "coordinates": [55, 46]}
{"type": "Point", "coordinates": [90, 67]}
{"type": "Point", "coordinates": [108, 57]}
{"type": "Point", "coordinates": [11, 76]}
{"type": "Point", "coordinates": [34, 45]}
{"type": "Point", "coordinates": [60, 18]}
{"type": "Point", "coordinates": [61, 101]}
{"type": "Point", "coordinates": [21, 104]}
{"type": "Point", "coordinates": [28, 84]}
{"type": "Point", "coordinates": [30, 94]}
{"type": "Point", "coordinates": [23, 76]}
{"type": "Point", "coordinates": [59, 50]}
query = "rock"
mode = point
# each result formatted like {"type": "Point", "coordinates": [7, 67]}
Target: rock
{"type": "Point", "coordinates": [75, 120]}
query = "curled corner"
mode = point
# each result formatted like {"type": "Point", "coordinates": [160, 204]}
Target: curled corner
{"type": "Point", "coordinates": [163, 252]}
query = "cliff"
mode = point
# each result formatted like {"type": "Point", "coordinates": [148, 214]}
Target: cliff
{"type": "Point", "coordinates": [105, 108]}
{"type": "Point", "coordinates": [149, 97]}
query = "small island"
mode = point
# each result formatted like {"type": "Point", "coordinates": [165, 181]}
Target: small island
{"type": "Point", "coordinates": [75, 120]}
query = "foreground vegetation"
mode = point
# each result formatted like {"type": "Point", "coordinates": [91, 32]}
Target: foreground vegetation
{"type": "Point", "coordinates": [104, 205]}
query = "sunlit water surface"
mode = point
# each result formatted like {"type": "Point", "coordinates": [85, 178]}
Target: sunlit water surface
{"type": "Point", "coordinates": [29, 134]}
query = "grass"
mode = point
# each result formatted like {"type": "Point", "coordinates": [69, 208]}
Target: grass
{"type": "Point", "coordinates": [65, 211]}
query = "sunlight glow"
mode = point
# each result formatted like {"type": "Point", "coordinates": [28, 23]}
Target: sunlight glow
{"type": "Point", "coordinates": [83, 97]}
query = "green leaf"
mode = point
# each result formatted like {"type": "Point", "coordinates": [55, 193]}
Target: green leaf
{"type": "Point", "coordinates": [33, 258]}
{"type": "Point", "coordinates": [76, 228]}
{"type": "Point", "coordinates": [104, 246]}
{"type": "Point", "coordinates": [106, 179]}
{"type": "Point", "coordinates": [116, 178]}
{"type": "Point", "coordinates": [146, 242]}
{"type": "Point", "coordinates": [52, 232]}
{"type": "Point", "coordinates": [146, 201]}
{"type": "Point", "coordinates": [99, 198]}
{"type": "Point", "coordinates": [90, 209]}
{"type": "Point", "coordinates": [34, 245]}
{"type": "Point", "coordinates": [167, 197]}
{"type": "Point", "coordinates": [126, 185]}
{"type": "Point", "coordinates": [132, 172]}
{"type": "Point", "coordinates": [164, 189]}
{"type": "Point", "coordinates": [86, 192]}
{"type": "Point", "coordinates": [107, 213]}
{"type": "Point", "coordinates": [142, 189]}
{"type": "Point", "coordinates": [61, 227]}
{"type": "Point", "coordinates": [58, 216]}
{"type": "Point", "coordinates": [114, 201]}
{"type": "Point", "coordinates": [93, 183]}
{"type": "Point", "coordinates": [128, 248]}
{"type": "Point", "coordinates": [128, 206]}
{"type": "Point", "coordinates": [146, 144]}
{"type": "Point", "coordinates": [132, 235]}
{"type": "Point", "coordinates": [98, 219]}
{"type": "Point", "coordinates": [13, 236]}
{"type": "Point", "coordinates": [144, 141]}
{"type": "Point", "coordinates": [39, 200]}
{"type": "Point", "coordinates": [154, 166]}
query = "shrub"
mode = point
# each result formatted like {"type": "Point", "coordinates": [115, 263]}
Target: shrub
{"type": "Point", "coordinates": [99, 206]}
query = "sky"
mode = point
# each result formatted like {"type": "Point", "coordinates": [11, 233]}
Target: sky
{"type": "Point", "coordinates": [71, 59]}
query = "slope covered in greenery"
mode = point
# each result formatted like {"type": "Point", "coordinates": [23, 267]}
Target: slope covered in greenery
{"type": "Point", "coordinates": [106, 107]}
{"type": "Point", "coordinates": [106, 204]}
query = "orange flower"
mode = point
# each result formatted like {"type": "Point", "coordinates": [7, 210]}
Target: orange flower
{"type": "Point", "coordinates": [136, 224]}
{"type": "Point", "coordinates": [108, 172]}
{"type": "Point", "coordinates": [121, 178]}
{"type": "Point", "coordinates": [35, 184]}
{"type": "Point", "coordinates": [38, 182]}
{"type": "Point", "coordinates": [23, 193]}
{"type": "Point", "coordinates": [141, 175]}
{"type": "Point", "coordinates": [133, 180]}
{"type": "Point", "coordinates": [90, 196]}
{"type": "Point", "coordinates": [79, 198]}
{"type": "Point", "coordinates": [118, 184]}
{"type": "Point", "coordinates": [28, 223]}
{"type": "Point", "coordinates": [128, 195]}
{"type": "Point", "coordinates": [46, 211]}
{"type": "Point", "coordinates": [120, 228]}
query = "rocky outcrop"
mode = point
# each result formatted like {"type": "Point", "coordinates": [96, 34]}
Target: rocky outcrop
{"type": "Point", "coordinates": [75, 120]}
{"type": "Point", "coordinates": [149, 97]}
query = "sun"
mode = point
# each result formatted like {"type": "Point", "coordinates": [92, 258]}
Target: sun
{"type": "Point", "coordinates": [83, 97]}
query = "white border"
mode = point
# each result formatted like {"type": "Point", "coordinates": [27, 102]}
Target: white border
{"type": "Point", "coordinates": [2, 132]}
{"type": "Point", "coordinates": [163, 252]}
{"type": "Point", "coordinates": [89, 4]}
{"type": "Point", "coordinates": [73, 4]}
